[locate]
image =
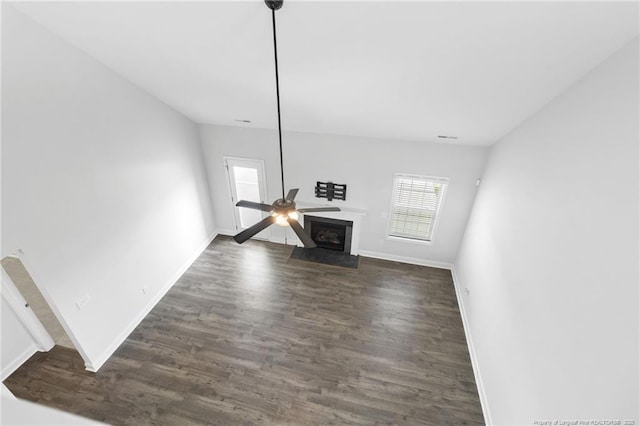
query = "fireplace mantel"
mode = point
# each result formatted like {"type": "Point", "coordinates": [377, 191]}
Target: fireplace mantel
{"type": "Point", "coordinates": [354, 215]}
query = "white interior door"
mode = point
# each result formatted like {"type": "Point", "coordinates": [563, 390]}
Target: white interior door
{"type": "Point", "coordinates": [247, 181]}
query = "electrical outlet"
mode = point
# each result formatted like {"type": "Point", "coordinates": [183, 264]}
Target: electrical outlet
{"type": "Point", "coordinates": [145, 290]}
{"type": "Point", "coordinates": [80, 303]}
{"type": "Point", "coordinates": [467, 290]}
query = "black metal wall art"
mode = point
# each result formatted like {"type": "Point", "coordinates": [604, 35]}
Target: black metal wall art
{"type": "Point", "coordinates": [331, 191]}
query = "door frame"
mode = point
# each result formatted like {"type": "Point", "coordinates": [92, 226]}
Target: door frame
{"type": "Point", "coordinates": [13, 297]}
{"type": "Point", "coordinates": [262, 177]}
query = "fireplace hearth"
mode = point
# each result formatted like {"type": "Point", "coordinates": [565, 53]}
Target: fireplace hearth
{"type": "Point", "coordinates": [332, 234]}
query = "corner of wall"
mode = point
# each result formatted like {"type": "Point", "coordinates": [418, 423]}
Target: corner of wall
{"type": "Point", "coordinates": [95, 364]}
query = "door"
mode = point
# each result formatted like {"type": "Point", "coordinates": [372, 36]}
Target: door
{"type": "Point", "coordinates": [247, 181]}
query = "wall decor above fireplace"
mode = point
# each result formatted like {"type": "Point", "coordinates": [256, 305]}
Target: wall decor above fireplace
{"type": "Point", "coordinates": [330, 191]}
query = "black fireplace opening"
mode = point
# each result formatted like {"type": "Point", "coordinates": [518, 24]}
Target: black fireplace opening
{"type": "Point", "coordinates": [332, 234]}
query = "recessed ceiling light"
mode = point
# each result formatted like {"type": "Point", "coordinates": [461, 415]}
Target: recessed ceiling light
{"type": "Point", "coordinates": [242, 121]}
{"type": "Point", "coordinates": [447, 137]}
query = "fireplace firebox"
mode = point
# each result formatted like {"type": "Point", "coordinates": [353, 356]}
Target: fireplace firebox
{"type": "Point", "coordinates": [332, 234]}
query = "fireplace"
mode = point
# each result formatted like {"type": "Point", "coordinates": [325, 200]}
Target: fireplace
{"type": "Point", "coordinates": [332, 234]}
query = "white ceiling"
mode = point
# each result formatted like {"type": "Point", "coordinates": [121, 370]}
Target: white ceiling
{"type": "Point", "coordinates": [399, 70]}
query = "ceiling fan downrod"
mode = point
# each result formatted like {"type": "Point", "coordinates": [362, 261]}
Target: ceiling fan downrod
{"type": "Point", "coordinates": [282, 211]}
{"type": "Point", "coordinates": [275, 5]}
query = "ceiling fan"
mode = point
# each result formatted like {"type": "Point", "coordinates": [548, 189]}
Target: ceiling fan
{"type": "Point", "coordinates": [283, 210]}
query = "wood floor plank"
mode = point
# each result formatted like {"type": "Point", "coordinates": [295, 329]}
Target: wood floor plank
{"type": "Point", "coordinates": [248, 336]}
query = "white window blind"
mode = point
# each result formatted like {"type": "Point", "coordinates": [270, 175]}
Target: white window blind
{"type": "Point", "coordinates": [415, 205]}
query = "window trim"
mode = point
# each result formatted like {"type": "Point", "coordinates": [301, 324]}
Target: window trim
{"type": "Point", "coordinates": [439, 209]}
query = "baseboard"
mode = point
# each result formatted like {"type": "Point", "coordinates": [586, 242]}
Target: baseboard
{"type": "Point", "coordinates": [6, 393]}
{"type": "Point", "coordinates": [472, 351]}
{"type": "Point", "coordinates": [288, 241]}
{"type": "Point", "coordinates": [405, 259]}
{"type": "Point", "coordinates": [18, 361]}
{"type": "Point", "coordinates": [227, 232]}
{"type": "Point", "coordinates": [96, 364]}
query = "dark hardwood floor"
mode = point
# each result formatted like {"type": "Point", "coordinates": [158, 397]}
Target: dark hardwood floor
{"type": "Point", "coordinates": [249, 336]}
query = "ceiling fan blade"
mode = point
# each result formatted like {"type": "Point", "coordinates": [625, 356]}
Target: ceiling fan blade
{"type": "Point", "coordinates": [254, 205]}
{"type": "Point", "coordinates": [299, 230]}
{"type": "Point", "coordinates": [292, 194]}
{"type": "Point", "coordinates": [243, 236]}
{"type": "Point", "coordinates": [320, 209]}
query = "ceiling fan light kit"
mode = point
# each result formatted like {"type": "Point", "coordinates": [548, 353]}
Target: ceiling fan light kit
{"type": "Point", "coordinates": [283, 210]}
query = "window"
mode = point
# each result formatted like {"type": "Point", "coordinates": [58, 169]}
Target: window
{"type": "Point", "coordinates": [415, 206]}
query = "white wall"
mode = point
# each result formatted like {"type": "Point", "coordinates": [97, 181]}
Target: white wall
{"type": "Point", "coordinates": [366, 166]}
{"type": "Point", "coordinates": [103, 186]}
{"type": "Point", "coordinates": [550, 257]}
